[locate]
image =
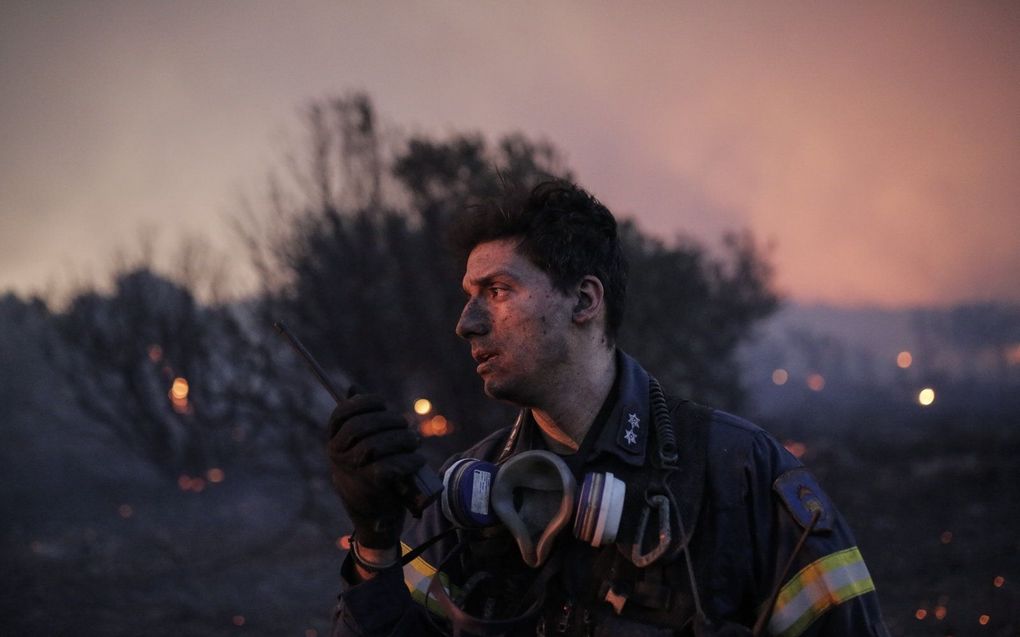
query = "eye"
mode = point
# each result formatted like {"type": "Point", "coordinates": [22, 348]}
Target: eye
{"type": "Point", "coordinates": [497, 291]}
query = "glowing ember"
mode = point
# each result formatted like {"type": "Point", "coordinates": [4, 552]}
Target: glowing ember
{"type": "Point", "coordinates": [179, 389]}
{"type": "Point", "coordinates": [780, 376]}
{"type": "Point", "coordinates": [422, 406]}
{"type": "Point", "coordinates": [921, 613]}
{"type": "Point", "coordinates": [155, 353]}
{"type": "Point", "coordinates": [435, 426]}
{"type": "Point", "coordinates": [999, 581]}
{"type": "Point", "coordinates": [1013, 354]}
{"type": "Point", "coordinates": [238, 620]}
{"type": "Point", "coordinates": [798, 449]}
{"type": "Point", "coordinates": [816, 382]}
{"type": "Point", "coordinates": [946, 537]}
{"type": "Point", "coordinates": [214, 475]}
{"type": "Point", "coordinates": [179, 395]}
{"type": "Point", "coordinates": [926, 396]}
{"type": "Point", "coordinates": [983, 620]}
{"type": "Point", "coordinates": [125, 511]}
{"type": "Point", "coordinates": [188, 483]}
{"type": "Point", "coordinates": [904, 360]}
{"type": "Point", "coordinates": [940, 612]}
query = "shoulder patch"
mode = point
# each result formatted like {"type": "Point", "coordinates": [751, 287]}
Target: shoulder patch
{"type": "Point", "coordinates": [802, 496]}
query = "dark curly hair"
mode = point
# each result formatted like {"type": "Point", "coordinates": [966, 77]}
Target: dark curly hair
{"type": "Point", "coordinates": [563, 230]}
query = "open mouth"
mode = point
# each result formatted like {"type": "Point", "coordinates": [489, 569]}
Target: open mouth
{"type": "Point", "coordinates": [483, 358]}
{"type": "Point", "coordinates": [481, 355]}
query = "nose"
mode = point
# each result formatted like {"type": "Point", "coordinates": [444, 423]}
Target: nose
{"type": "Point", "coordinates": [474, 320]}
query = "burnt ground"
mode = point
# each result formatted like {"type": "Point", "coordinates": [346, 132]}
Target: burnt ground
{"type": "Point", "coordinates": [937, 516]}
{"type": "Point", "coordinates": [935, 510]}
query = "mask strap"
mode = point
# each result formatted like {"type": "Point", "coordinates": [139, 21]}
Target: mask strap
{"type": "Point", "coordinates": [416, 552]}
{"type": "Point", "coordinates": [511, 440]}
{"type": "Point", "coordinates": [766, 612]}
{"type": "Point", "coordinates": [690, 566]}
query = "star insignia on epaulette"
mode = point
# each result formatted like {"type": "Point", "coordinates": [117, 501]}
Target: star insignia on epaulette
{"type": "Point", "coordinates": [634, 421]}
{"type": "Point", "coordinates": [630, 436]}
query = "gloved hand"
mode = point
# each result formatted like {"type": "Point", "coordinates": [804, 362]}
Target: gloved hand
{"type": "Point", "coordinates": [372, 455]}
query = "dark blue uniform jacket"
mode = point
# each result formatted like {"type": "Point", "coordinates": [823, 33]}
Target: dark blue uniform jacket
{"type": "Point", "coordinates": [745, 502]}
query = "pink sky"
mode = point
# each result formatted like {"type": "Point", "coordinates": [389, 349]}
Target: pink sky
{"type": "Point", "coordinates": [876, 145]}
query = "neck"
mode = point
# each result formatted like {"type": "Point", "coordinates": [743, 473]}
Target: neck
{"type": "Point", "coordinates": [567, 418]}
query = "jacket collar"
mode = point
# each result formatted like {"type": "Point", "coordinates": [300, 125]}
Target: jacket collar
{"type": "Point", "coordinates": [626, 430]}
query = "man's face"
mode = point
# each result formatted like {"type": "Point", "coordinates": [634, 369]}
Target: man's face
{"type": "Point", "coordinates": [517, 322]}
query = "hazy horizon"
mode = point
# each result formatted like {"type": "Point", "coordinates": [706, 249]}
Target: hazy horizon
{"type": "Point", "coordinates": [873, 145]}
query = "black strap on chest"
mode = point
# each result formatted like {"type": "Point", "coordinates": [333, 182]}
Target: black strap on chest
{"type": "Point", "coordinates": [666, 592]}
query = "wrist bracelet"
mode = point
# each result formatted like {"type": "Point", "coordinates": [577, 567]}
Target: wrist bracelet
{"type": "Point", "coordinates": [372, 567]}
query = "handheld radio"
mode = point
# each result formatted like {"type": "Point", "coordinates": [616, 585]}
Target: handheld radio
{"type": "Point", "coordinates": [421, 489]}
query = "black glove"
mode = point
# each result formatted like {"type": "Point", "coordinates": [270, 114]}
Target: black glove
{"type": "Point", "coordinates": [372, 456]}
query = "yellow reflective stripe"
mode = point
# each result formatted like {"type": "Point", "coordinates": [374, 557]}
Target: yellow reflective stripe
{"type": "Point", "coordinates": [418, 575]}
{"type": "Point", "coordinates": [819, 586]}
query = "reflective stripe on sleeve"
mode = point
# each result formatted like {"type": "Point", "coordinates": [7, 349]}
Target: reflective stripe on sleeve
{"type": "Point", "coordinates": [819, 586]}
{"type": "Point", "coordinates": [418, 575]}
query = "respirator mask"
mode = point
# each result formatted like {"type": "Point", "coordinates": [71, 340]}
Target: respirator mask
{"type": "Point", "coordinates": [534, 495]}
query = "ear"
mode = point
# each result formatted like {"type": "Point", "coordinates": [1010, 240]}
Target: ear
{"type": "Point", "coordinates": [590, 300]}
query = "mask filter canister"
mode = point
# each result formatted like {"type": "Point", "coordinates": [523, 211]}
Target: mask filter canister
{"type": "Point", "coordinates": [467, 489]}
{"type": "Point", "coordinates": [599, 509]}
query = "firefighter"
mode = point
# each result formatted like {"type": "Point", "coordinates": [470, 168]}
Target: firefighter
{"type": "Point", "coordinates": [607, 507]}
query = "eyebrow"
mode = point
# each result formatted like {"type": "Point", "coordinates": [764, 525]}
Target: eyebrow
{"type": "Point", "coordinates": [486, 279]}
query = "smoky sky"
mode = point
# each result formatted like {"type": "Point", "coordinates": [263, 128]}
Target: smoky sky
{"type": "Point", "coordinates": [874, 145]}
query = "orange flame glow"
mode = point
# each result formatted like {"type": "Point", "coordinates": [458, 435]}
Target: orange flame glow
{"type": "Point", "coordinates": [798, 449]}
{"type": "Point", "coordinates": [1013, 354]}
{"type": "Point", "coordinates": [435, 426]}
{"type": "Point", "coordinates": [179, 395]}
{"type": "Point", "coordinates": [422, 406]}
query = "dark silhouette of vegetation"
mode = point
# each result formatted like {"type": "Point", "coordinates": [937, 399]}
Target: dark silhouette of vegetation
{"type": "Point", "coordinates": [360, 268]}
{"type": "Point", "coordinates": [189, 387]}
{"type": "Point", "coordinates": [687, 311]}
